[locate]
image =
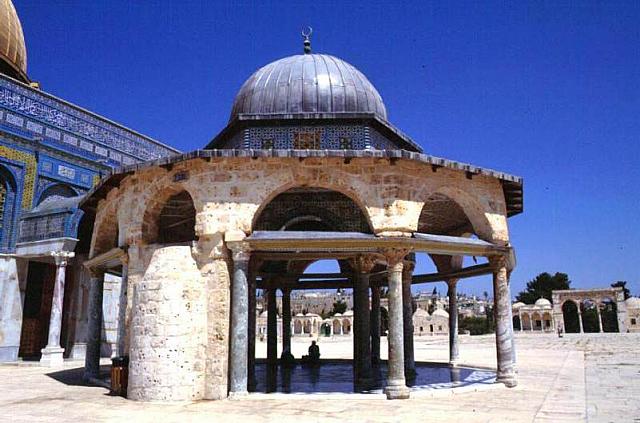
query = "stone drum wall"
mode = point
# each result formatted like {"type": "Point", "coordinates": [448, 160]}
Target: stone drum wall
{"type": "Point", "coordinates": [168, 329]}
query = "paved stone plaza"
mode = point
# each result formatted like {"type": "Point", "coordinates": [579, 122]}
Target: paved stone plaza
{"type": "Point", "coordinates": [594, 377]}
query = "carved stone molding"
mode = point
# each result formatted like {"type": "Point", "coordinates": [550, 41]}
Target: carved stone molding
{"type": "Point", "coordinates": [62, 257]}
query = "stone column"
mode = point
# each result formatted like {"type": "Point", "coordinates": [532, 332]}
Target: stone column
{"type": "Point", "coordinates": [520, 320]}
{"type": "Point", "coordinates": [362, 324]}
{"type": "Point", "coordinates": [375, 326]}
{"type": "Point", "coordinates": [272, 341]}
{"type": "Point", "coordinates": [122, 307]}
{"type": "Point", "coordinates": [286, 319]}
{"type": "Point", "coordinates": [238, 354]}
{"type": "Point", "coordinates": [502, 313]}
{"type": "Point", "coordinates": [452, 292]}
{"type": "Point", "coordinates": [580, 319]}
{"type": "Point", "coordinates": [94, 326]}
{"type": "Point", "coordinates": [407, 317]}
{"type": "Point", "coordinates": [272, 327]}
{"type": "Point", "coordinates": [396, 387]}
{"type": "Point", "coordinates": [251, 342]}
{"type": "Point", "coordinates": [52, 354]}
{"type": "Point", "coordinates": [530, 322]}
{"type": "Point", "coordinates": [599, 318]}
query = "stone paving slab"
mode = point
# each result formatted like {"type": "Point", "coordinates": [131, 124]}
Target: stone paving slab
{"type": "Point", "coordinates": [593, 378]}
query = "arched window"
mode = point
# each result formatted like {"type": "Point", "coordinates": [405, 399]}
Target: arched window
{"type": "Point", "coordinates": [570, 317]}
{"type": "Point", "coordinates": [171, 221]}
{"type": "Point", "coordinates": [7, 206]}
{"type": "Point", "coordinates": [56, 191]}
{"type": "Point", "coordinates": [312, 209]}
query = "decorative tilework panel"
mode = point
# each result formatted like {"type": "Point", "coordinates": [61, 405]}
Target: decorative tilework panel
{"type": "Point", "coordinates": [329, 137]}
{"type": "Point", "coordinates": [379, 141]}
{"type": "Point", "coordinates": [30, 166]}
{"type": "Point", "coordinates": [47, 110]}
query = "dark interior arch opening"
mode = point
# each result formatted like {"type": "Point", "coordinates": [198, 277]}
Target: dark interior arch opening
{"type": "Point", "coordinates": [441, 215]}
{"type": "Point", "coordinates": [177, 220]}
{"type": "Point", "coordinates": [609, 314]}
{"type": "Point", "coordinates": [570, 317]}
{"type": "Point", "coordinates": [312, 209]}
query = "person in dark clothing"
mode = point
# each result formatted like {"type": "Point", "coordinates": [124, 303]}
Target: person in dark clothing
{"type": "Point", "coordinates": [314, 352]}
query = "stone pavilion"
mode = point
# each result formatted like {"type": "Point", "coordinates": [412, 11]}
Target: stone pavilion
{"type": "Point", "coordinates": [309, 167]}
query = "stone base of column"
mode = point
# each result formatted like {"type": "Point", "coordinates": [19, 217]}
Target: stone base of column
{"type": "Point", "coordinates": [52, 357]}
{"type": "Point", "coordinates": [238, 395]}
{"type": "Point", "coordinates": [509, 380]}
{"type": "Point", "coordinates": [454, 362]}
{"type": "Point", "coordinates": [397, 392]}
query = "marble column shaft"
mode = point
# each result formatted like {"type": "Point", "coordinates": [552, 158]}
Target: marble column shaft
{"type": "Point", "coordinates": [599, 318]}
{"type": "Point", "coordinates": [375, 326]}
{"type": "Point", "coordinates": [239, 320]}
{"type": "Point", "coordinates": [580, 319]}
{"type": "Point", "coordinates": [396, 386]}
{"type": "Point", "coordinates": [452, 292]}
{"type": "Point", "coordinates": [272, 327]}
{"type": "Point", "coordinates": [94, 326]}
{"type": "Point", "coordinates": [122, 309]}
{"type": "Point", "coordinates": [362, 329]}
{"type": "Point", "coordinates": [251, 341]}
{"type": "Point", "coordinates": [286, 319]}
{"type": "Point", "coordinates": [407, 317]}
{"type": "Point", "coordinates": [504, 335]}
{"type": "Point", "coordinates": [55, 320]}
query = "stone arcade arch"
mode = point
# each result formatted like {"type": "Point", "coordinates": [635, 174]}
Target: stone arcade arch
{"type": "Point", "coordinates": [590, 306]}
{"type": "Point", "coordinates": [570, 316]}
{"type": "Point", "coordinates": [171, 221]}
{"type": "Point", "coordinates": [609, 315]}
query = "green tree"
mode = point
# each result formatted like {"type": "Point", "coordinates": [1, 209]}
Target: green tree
{"type": "Point", "coordinates": [476, 325]}
{"type": "Point", "coordinates": [339, 307]}
{"type": "Point", "coordinates": [542, 285]}
{"type": "Point", "coordinates": [623, 285]}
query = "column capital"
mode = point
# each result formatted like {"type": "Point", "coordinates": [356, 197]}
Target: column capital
{"type": "Point", "coordinates": [408, 266]}
{"type": "Point", "coordinates": [394, 256]}
{"type": "Point", "coordinates": [452, 282]}
{"type": "Point", "coordinates": [364, 263]}
{"type": "Point", "coordinates": [498, 262]}
{"type": "Point", "coordinates": [241, 251]}
{"type": "Point", "coordinates": [62, 257]}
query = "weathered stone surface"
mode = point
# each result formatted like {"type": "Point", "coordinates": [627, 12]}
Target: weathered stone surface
{"type": "Point", "coordinates": [169, 329]}
{"type": "Point", "coordinates": [228, 195]}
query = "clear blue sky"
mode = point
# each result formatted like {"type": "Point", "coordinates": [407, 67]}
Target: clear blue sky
{"type": "Point", "coordinates": [549, 91]}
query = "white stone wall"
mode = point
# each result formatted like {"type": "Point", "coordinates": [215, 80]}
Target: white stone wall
{"type": "Point", "coordinates": [110, 310]}
{"type": "Point", "coordinates": [168, 343]}
{"type": "Point", "coordinates": [12, 271]}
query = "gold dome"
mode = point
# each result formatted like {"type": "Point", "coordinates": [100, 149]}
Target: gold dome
{"type": "Point", "coordinates": [13, 52]}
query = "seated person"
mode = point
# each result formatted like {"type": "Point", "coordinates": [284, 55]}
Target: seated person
{"type": "Point", "coordinates": [314, 352]}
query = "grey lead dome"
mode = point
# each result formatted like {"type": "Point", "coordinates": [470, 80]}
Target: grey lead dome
{"type": "Point", "coordinates": [308, 83]}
